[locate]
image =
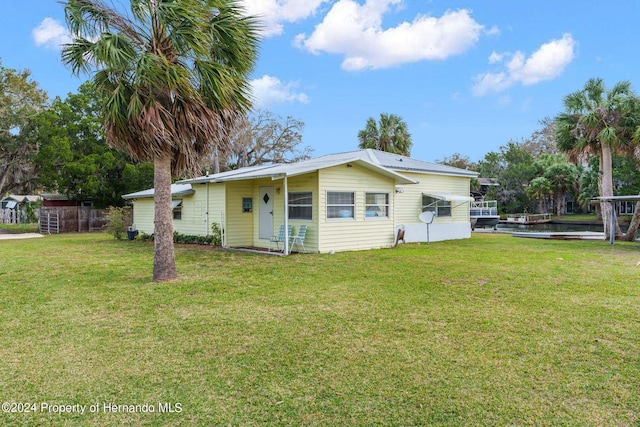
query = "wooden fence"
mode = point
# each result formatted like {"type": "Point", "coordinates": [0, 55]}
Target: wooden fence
{"type": "Point", "coordinates": [70, 219]}
{"type": "Point", "coordinates": [12, 216]}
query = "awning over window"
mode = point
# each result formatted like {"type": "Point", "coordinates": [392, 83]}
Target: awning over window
{"type": "Point", "coordinates": [175, 204]}
{"type": "Point", "coordinates": [450, 197]}
{"type": "Point", "coordinates": [11, 204]}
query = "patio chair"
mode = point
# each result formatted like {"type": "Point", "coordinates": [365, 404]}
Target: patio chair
{"type": "Point", "coordinates": [280, 237]}
{"type": "Point", "coordinates": [299, 239]}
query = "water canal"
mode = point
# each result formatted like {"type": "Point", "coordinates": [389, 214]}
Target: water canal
{"type": "Point", "coordinates": [548, 227]}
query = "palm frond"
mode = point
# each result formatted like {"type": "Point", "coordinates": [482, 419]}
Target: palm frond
{"type": "Point", "coordinates": [174, 74]}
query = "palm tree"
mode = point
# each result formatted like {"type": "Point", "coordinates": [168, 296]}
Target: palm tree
{"type": "Point", "coordinates": [562, 177]}
{"type": "Point", "coordinates": [174, 75]}
{"type": "Point", "coordinates": [594, 123]}
{"type": "Point", "coordinates": [389, 134]}
{"type": "Point", "coordinates": [540, 188]}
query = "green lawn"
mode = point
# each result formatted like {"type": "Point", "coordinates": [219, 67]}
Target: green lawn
{"type": "Point", "coordinates": [20, 228]}
{"type": "Point", "coordinates": [492, 330]}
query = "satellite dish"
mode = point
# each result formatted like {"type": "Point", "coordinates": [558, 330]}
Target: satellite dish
{"type": "Point", "coordinates": [426, 217]}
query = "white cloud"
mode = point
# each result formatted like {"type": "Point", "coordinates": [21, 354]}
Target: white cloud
{"type": "Point", "coordinates": [493, 31]}
{"type": "Point", "coordinates": [269, 90]}
{"type": "Point", "coordinates": [50, 33]}
{"type": "Point", "coordinates": [355, 31]}
{"type": "Point", "coordinates": [274, 13]}
{"type": "Point", "coordinates": [496, 57]}
{"type": "Point", "coordinates": [547, 63]}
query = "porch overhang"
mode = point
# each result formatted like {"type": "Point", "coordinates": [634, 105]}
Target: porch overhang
{"type": "Point", "coordinates": [633, 198]}
{"type": "Point", "coordinates": [447, 197]}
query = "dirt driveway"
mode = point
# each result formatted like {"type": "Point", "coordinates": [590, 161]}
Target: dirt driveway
{"type": "Point", "coordinates": [7, 235]}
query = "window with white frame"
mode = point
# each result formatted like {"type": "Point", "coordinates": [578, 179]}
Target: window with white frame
{"type": "Point", "coordinates": [377, 205]}
{"type": "Point", "coordinates": [437, 206]}
{"type": "Point", "coordinates": [301, 205]}
{"type": "Point", "coordinates": [341, 204]}
{"type": "Point", "coordinates": [176, 207]}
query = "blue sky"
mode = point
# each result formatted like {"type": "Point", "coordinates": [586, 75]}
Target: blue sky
{"type": "Point", "coordinates": [466, 76]}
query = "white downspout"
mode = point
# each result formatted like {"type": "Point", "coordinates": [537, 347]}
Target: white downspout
{"type": "Point", "coordinates": [286, 216]}
{"type": "Point", "coordinates": [223, 237]}
{"type": "Point", "coordinates": [207, 211]}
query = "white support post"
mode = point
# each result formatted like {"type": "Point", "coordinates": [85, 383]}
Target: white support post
{"type": "Point", "coordinates": [612, 232]}
{"type": "Point", "coordinates": [286, 216]}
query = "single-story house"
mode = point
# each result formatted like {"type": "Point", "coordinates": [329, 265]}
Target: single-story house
{"type": "Point", "coordinates": [13, 201]}
{"type": "Point", "coordinates": [348, 201]}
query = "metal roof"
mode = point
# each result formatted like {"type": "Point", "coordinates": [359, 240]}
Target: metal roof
{"type": "Point", "coordinates": [398, 162]}
{"type": "Point", "coordinates": [634, 198]}
{"type": "Point", "coordinates": [390, 165]}
{"type": "Point", "coordinates": [20, 198]}
{"type": "Point", "coordinates": [176, 190]}
{"type": "Point", "coordinates": [386, 164]}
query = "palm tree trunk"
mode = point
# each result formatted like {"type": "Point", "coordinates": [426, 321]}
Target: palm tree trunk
{"type": "Point", "coordinates": [634, 225]}
{"type": "Point", "coordinates": [164, 263]}
{"type": "Point", "coordinates": [607, 191]}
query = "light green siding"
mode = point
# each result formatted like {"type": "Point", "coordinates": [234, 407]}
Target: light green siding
{"type": "Point", "coordinates": [195, 206]}
{"type": "Point", "coordinates": [143, 214]}
{"type": "Point", "coordinates": [360, 232]}
{"type": "Point", "coordinates": [409, 201]}
{"type": "Point", "coordinates": [243, 229]}
{"type": "Point", "coordinates": [194, 209]}
{"type": "Point", "coordinates": [239, 226]}
{"type": "Point", "coordinates": [217, 198]}
{"type": "Point", "coordinates": [304, 183]}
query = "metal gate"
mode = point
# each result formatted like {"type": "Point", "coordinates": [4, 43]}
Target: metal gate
{"type": "Point", "coordinates": [49, 223]}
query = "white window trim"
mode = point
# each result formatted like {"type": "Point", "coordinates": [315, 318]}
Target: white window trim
{"type": "Point", "coordinates": [176, 208]}
{"type": "Point", "coordinates": [387, 205]}
{"type": "Point", "coordinates": [434, 207]}
{"type": "Point", "coordinates": [328, 205]}
{"type": "Point", "coordinates": [294, 205]}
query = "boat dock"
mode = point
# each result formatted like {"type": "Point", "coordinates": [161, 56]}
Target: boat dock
{"type": "Point", "coordinates": [562, 235]}
{"type": "Point", "coordinates": [524, 218]}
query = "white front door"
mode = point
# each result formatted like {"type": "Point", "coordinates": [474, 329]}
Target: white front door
{"type": "Point", "coordinates": [266, 212]}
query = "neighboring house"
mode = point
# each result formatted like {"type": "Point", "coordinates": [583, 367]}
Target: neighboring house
{"type": "Point", "coordinates": [349, 201]}
{"type": "Point", "coordinates": [14, 201]}
{"type": "Point", "coordinates": [57, 200]}
{"type": "Point", "coordinates": [14, 208]}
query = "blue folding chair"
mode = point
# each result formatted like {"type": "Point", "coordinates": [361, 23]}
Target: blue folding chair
{"type": "Point", "coordinates": [280, 237]}
{"type": "Point", "coordinates": [299, 239]}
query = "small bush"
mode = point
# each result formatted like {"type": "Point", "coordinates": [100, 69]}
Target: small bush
{"type": "Point", "coordinates": [190, 239]}
{"type": "Point", "coordinates": [216, 234]}
{"type": "Point", "coordinates": [185, 239]}
{"type": "Point", "coordinates": [31, 210]}
{"type": "Point", "coordinates": [118, 219]}
{"type": "Point", "coordinates": [145, 237]}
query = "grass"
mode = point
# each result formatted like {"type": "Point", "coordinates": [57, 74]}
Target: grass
{"type": "Point", "coordinates": [492, 330]}
{"type": "Point", "coordinates": [577, 217]}
{"type": "Point", "coordinates": [21, 228]}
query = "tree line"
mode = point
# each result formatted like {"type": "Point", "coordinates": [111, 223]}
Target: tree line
{"type": "Point", "coordinates": [591, 149]}
{"type": "Point", "coordinates": [59, 146]}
